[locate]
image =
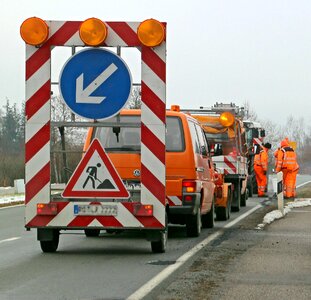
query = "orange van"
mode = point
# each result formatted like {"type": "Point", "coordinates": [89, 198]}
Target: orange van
{"type": "Point", "coordinates": [190, 186]}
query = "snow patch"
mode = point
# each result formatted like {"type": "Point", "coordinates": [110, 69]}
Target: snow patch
{"type": "Point", "coordinates": [277, 214]}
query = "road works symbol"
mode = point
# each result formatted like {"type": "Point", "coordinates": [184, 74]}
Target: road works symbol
{"type": "Point", "coordinates": [95, 177]}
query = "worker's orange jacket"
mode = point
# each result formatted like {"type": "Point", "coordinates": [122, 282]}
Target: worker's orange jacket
{"type": "Point", "coordinates": [286, 159]}
{"type": "Point", "coordinates": [261, 159]}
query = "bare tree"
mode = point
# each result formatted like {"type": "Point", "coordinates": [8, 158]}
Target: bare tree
{"type": "Point", "coordinates": [135, 99]}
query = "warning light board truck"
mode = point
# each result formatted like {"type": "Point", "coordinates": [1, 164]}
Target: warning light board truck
{"type": "Point", "coordinates": [95, 84]}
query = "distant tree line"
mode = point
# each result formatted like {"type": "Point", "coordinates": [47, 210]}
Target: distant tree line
{"type": "Point", "coordinates": [12, 133]}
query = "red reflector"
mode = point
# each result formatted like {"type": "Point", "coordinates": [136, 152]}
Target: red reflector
{"type": "Point", "coordinates": [188, 198]}
{"type": "Point", "coordinates": [47, 209]}
{"type": "Point", "coordinates": [143, 210]}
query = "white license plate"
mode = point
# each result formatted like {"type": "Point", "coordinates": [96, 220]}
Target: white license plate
{"type": "Point", "coordinates": [132, 186]}
{"type": "Point", "coordinates": [95, 210]}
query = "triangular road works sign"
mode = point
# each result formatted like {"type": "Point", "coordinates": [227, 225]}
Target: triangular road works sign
{"type": "Point", "coordinates": [95, 177]}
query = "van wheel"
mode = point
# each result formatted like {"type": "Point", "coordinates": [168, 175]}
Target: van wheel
{"type": "Point", "coordinates": [160, 245]}
{"type": "Point", "coordinates": [193, 224]}
{"type": "Point", "coordinates": [92, 232]}
{"type": "Point", "coordinates": [209, 218]}
{"type": "Point", "coordinates": [52, 245]}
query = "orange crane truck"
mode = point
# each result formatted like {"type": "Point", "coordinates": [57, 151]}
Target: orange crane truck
{"type": "Point", "coordinates": [225, 131]}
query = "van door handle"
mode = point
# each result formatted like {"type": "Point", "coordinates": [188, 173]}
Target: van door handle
{"type": "Point", "coordinates": [200, 169]}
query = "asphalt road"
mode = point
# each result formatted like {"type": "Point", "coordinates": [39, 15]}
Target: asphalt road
{"type": "Point", "coordinates": [108, 267]}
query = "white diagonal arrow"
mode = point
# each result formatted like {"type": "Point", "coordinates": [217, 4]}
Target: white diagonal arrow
{"type": "Point", "coordinates": [83, 95]}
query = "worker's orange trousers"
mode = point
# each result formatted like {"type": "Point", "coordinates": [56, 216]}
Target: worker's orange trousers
{"type": "Point", "coordinates": [261, 180]}
{"type": "Point", "coordinates": [289, 183]}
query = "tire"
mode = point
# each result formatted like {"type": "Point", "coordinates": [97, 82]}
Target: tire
{"type": "Point", "coordinates": [250, 188]}
{"type": "Point", "coordinates": [243, 198]}
{"type": "Point", "coordinates": [221, 213]}
{"type": "Point", "coordinates": [193, 224]}
{"type": "Point", "coordinates": [92, 232]}
{"type": "Point", "coordinates": [229, 203]}
{"type": "Point", "coordinates": [208, 220]}
{"type": "Point", "coordinates": [236, 201]}
{"type": "Point", "coordinates": [50, 246]}
{"type": "Point", "coordinates": [160, 245]}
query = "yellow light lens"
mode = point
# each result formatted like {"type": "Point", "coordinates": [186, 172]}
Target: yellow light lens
{"type": "Point", "coordinates": [34, 31]}
{"type": "Point", "coordinates": [93, 32]}
{"type": "Point", "coordinates": [151, 33]}
{"type": "Point", "coordinates": [190, 189]}
{"type": "Point", "coordinates": [175, 108]}
{"type": "Point", "coordinates": [226, 119]}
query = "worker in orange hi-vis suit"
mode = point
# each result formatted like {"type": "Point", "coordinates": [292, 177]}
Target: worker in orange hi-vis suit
{"type": "Point", "coordinates": [287, 163]}
{"type": "Point", "coordinates": [261, 167]}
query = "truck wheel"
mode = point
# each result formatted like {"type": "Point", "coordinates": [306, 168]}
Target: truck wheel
{"type": "Point", "coordinates": [236, 201]}
{"type": "Point", "coordinates": [160, 245]}
{"type": "Point", "coordinates": [208, 219]}
{"type": "Point", "coordinates": [223, 213]}
{"type": "Point", "coordinates": [193, 224]}
{"type": "Point", "coordinates": [52, 245]}
{"type": "Point", "coordinates": [244, 197]}
{"type": "Point", "coordinates": [250, 189]}
{"type": "Point", "coordinates": [92, 232]}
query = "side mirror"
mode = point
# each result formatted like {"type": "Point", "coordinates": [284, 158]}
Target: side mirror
{"type": "Point", "coordinates": [203, 151]}
{"type": "Point", "coordinates": [262, 133]}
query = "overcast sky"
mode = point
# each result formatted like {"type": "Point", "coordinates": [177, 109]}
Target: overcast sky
{"type": "Point", "coordinates": [227, 51]}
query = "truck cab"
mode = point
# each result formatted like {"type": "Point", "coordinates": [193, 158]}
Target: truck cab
{"type": "Point", "coordinates": [190, 186]}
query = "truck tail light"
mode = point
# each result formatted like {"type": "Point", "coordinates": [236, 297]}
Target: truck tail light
{"type": "Point", "coordinates": [46, 209]}
{"type": "Point", "coordinates": [189, 186]}
{"type": "Point", "coordinates": [143, 210]}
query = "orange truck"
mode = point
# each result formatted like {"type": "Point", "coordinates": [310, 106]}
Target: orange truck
{"type": "Point", "coordinates": [190, 184]}
{"type": "Point", "coordinates": [225, 132]}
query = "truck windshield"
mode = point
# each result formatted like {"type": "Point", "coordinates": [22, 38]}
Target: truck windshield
{"type": "Point", "coordinates": [128, 138]}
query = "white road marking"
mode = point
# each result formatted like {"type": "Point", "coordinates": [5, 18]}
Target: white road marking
{"type": "Point", "coordinates": [12, 206]}
{"type": "Point", "coordinates": [300, 185]}
{"type": "Point", "coordinates": [10, 239]}
{"type": "Point", "coordinates": [155, 281]}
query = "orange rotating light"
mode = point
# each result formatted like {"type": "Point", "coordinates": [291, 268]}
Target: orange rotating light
{"type": "Point", "coordinates": [34, 31]}
{"type": "Point", "coordinates": [226, 119]}
{"type": "Point", "coordinates": [151, 33]}
{"type": "Point", "coordinates": [93, 32]}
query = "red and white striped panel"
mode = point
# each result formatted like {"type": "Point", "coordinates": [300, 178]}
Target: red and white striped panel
{"type": "Point", "coordinates": [257, 141]}
{"type": "Point", "coordinates": [174, 200]}
{"type": "Point", "coordinates": [37, 157]}
{"type": "Point", "coordinates": [227, 164]}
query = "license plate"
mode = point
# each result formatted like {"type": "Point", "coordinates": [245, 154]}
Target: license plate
{"type": "Point", "coordinates": [95, 210]}
{"type": "Point", "coordinates": [132, 186]}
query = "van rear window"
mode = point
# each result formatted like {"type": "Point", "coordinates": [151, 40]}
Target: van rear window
{"type": "Point", "coordinates": [127, 139]}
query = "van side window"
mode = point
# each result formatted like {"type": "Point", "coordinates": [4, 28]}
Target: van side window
{"type": "Point", "coordinates": [194, 138]}
{"type": "Point", "coordinates": [202, 140]}
{"type": "Point", "coordinates": [175, 141]}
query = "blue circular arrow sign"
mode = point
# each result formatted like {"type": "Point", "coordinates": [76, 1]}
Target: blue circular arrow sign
{"type": "Point", "coordinates": [95, 83]}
